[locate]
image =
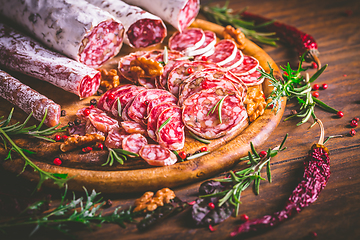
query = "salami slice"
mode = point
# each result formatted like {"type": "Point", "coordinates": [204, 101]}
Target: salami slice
{"type": "Point", "coordinates": [124, 99]}
{"type": "Point", "coordinates": [103, 101]}
{"type": "Point", "coordinates": [181, 72]}
{"type": "Point", "coordinates": [103, 122]}
{"type": "Point", "coordinates": [115, 137]}
{"type": "Point", "coordinates": [209, 44]}
{"type": "Point", "coordinates": [179, 13]}
{"type": "Point", "coordinates": [225, 52]}
{"type": "Point", "coordinates": [134, 127]}
{"type": "Point", "coordinates": [153, 117]}
{"type": "Point", "coordinates": [252, 79]}
{"type": "Point", "coordinates": [23, 54]}
{"type": "Point", "coordinates": [164, 98]}
{"type": "Point", "coordinates": [248, 66]}
{"type": "Point", "coordinates": [134, 142]}
{"type": "Point", "coordinates": [162, 80]}
{"type": "Point", "coordinates": [123, 94]}
{"type": "Point", "coordinates": [124, 114]}
{"type": "Point", "coordinates": [87, 33]}
{"type": "Point", "coordinates": [91, 129]}
{"type": "Point", "coordinates": [137, 110]}
{"type": "Point", "coordinates": [171, 135]}
{"type": "Point", "coordinates": [199, 118]}
{"type": "Point", "coordinates": [187, 40]}
{"type": "Point", "coordinates": [149, 83]}
{"type": "Point", "coordinates": [239, 58]}
{"type": "Point", "coordinates": [83, 113]}
{"type": "Point", "coordinates": [124, 65]}
{"type": "Point", "coordinates": [142, 29]}
{"type": "Point", "coordinates": [29, 100]}
{"type": "Point", "coordinates": [155, 155]}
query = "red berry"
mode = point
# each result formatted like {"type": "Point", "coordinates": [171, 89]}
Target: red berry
{"type": "Point", "coordinates": [344, 75]}
{"type": "Point", "coordinates": [356, 119]}
{"type": "Point", "coordinates": [211, 228]}
{"type": "Point", "coordinates": [211, 205]}
{"type": "Point", "coordinates": [263, 154]}
{"type": "Point", "coordinates": [315, 94]}
{"type": "Point", "coordinates": [270, 106]}
{"type": "Point", "coordinates": [100, 146]}
{"type": "Point", "coordinates": [146, 102]}
{"type": "Point", "coordinates": [182, 155]}
{"type": "Point", "coordinates": [91, 107]}
{"type": "Point", "coordinates": [354, 123]}
{"type": "Point", "coordinates": [204, 58]}
{"type": "Point", "coordinates": [352, 132]}
{"type": "Point", "coordinates": [65, 137]}
{"type": "Point", "coordinates": [340, 114]}
{"type": "Point", "coordinates": [203, 149]}
{"type": "Point", "coordinates": [316, 87]}
{"type": "Point", "coordinates": [57, 138]}
{"type": "Point", "coordinates": [87, 112]}
{"type": "Point", "coordinates": [244, 217]}
{"type": "Point", "coordinates": [190, 70]}
{"type": "Point", "coordinates": [313, 234]}
{"type": "Point", "coordinates": [314, 65]}
{"type": "Point", "coordinates": [324, 86]}
{"type": "Point", "coordinates": [111, 96]}
{"type": "Point", "coordinates": [191, 203]}
{"type": "Point", "coordinates": [57, 161]}
{"type": "Point", "coordinates": [87, 149]}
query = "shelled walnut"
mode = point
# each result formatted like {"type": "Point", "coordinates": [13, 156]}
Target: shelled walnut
{"type": "Point", "coordinates": [236, 35]}
{"type": "Point", "coordinates": [109, 79]}
{"type": "Point", "coordinates": [149, 202]}
{"type": "Point", "coordinates": [145, 67]}
{"type": "Point", "coordinates": [255, 103]}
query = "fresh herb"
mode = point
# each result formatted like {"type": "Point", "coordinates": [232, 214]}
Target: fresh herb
{"type": "Point", "coordinates": [184, 58]}
{"type": "Point", "coordinates": [295, 86]}
{"type": "Point", "coordinates": [119, 107]}
{"type": "Point", "coordinates": [219, 103]}
{"type": "Point", "coordinates": [74, 211]}
{"type": "Point", "coordinates": [119, 155]}
{"type": "Point", "coordinates": [199, 138]}
{"type": "Point", "coordinates": [197, 155]}
{"type": "Point", "coordinates": [240, 180]}
{"type": "Point", "coordinates": [225, 16]}
{"type": "Point", "coordinates": [164, 124]}
{"type": "Point", "coordinates": [34, 131]}
{"type": "Point", "coordinates": [165, 57]}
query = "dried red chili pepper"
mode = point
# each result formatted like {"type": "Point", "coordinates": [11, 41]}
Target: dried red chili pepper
{"type": "Point", "coordinates": [302, 42]}
{"type": "Point", "coordinates": [315, 178]}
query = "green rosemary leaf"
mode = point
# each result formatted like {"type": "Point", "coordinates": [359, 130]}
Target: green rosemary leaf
{"type": "Point", "coordinates": [268, 172]}
{"type": "Point", "coordinates": [253, 150]}
{"type": "Point", "coordinates": [318, 73]}
{"type": "Point", "coordinates": [251, 158]}
{"type": "Point", "coordinates": [119, 107]}
{"type": "Point", "coordinates": [220, 108]}
{"type": "Point", "coordinates": [212, 110]}
{"type": "Point", "coordinates": [7, 121]}
{"type": "Point", "coordinates": [108, 159]}
{"type": "Point", "coordinates": [43, 120]}
{"type": "Point", "coordinates": [199, 138]}
{"type": "Point", "coordinates": [334, 136]}
{"type": "Point", "coordinates": [325, 106]}
{"type": "Point", "coordinates": [124, 152]}
{"type": "Point", "coordinates": [283, 142]}
{"type": "Point", "coordinates": [257, 186]}
{"type": "Point", "coordinates": [164, 124]}
{"type": "Point", "coordinates": [198, 155]}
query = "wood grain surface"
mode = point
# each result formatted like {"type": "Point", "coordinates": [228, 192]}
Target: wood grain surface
{"type": "Point", "coordinates": [336, 214]}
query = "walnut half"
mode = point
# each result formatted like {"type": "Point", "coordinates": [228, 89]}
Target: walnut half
{"type": "Point", "coordinates": [149, 202]}
{"type": "Point", "coordinates": [236, 35]}
{"type": "Point", "coordinates": [255, 103]}
{"type": "Point", "coordinates": [109, 79]}
{"type": "Point", "coordinates": [145, 67]}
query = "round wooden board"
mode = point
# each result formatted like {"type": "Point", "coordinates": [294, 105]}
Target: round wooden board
{"type": "Point", "coordinates": [139, 177]}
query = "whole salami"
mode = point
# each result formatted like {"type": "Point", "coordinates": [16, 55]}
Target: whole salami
{"type": "Point", "coordinates": [23, 54]}
{"type": "Point", "coordinates": [75, 28]}
{"type": "Point", "coordinates": [29, 100]}
{"type": "Point", "coordinates": [179, 13]}
{"type": "Point", "coordinates": [142, 29]}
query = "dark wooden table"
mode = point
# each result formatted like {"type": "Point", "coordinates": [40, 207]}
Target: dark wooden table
{"type": "Point", "coordinates": [335, 25]}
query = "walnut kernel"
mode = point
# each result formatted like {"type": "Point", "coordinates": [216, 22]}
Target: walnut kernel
{"type": "Point", "coordinates": [255, 103]}
{"type": "Point", "coordinates": [109, 79]}
{"type": "Point", "coordinates": [75, 141]}
{"type": "Point", "coordinates": [236, 35]}
{"type": "Point", "coordinates": [145, 67]}
{"type": "Point", "coordinates": [149, 202]}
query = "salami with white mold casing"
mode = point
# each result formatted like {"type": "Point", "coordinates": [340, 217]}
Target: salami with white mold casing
{"type": "Point", "coordinates": [179, 13]}
{"type": "Point", "coordinates": [23, 54]}
{"type": "Point", "coordinates": [29, 100]}
{"type": "Point", "coordinates": [75, 28]}
{"type": "Point", "coordinates": [142, 29]}
{"type": "Point", "coordinates": [156, 155]}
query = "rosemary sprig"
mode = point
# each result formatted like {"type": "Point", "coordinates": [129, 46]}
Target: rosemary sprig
{"type": "Point", "coordinates": [203, 140]}
{"type": "Point", "coordinates": [241, 180]}
{"type": "Point", "coordinates": [225, 16]}
{"type": "Point", "coordinates": [197, 155]}
{"type": "Point", "coordinates": [119, 107]}
{"type": "Point", "coordinates": [164, 124]}
{"type": "Point", "coordinates": [119, 155]}
{"type": "Point", "coordinates": [219, 103]}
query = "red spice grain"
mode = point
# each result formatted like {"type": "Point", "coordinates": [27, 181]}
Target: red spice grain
{"type": "Point", "coordinates": [352, 132]}
{"type": "Point", "coordinates": [65, 137]}
{"type": "Point", "coordinates": [314, 65]}
{"type": "Point", "coordinates": [211, 228]}
{"type": "Point", "coordinates": [182, 155]}
{"type": "Point", "coordinates": [87, 149]}
{"type": "Point", "coordinates": [324, 86]}
{"type": "Point", "coordinates": [204, 58]}
{"type": "Point", "coordinates": [316, 87]}
{"type": "Point", "coordinates": [86, 112]}
{"type": "Point", "coordinates": [354, 123]}
{"type": "Point", "coordinates": [344, 75]}
{"type": "Point", "coordinates": [356, 119]}
{"type": "Point", "coordinates": [315, 94]}
{"type": "Point", "coordinates": [203, 149]}
{"type": "Point", "coordinates": [262, 154]}
{"type": "Point", "coordinates": [57, 161]}
{"type": "Point", "coordinates": [244, 217]}
{"type": "Point", "coordinates": [57, 138]}
{"type": "Point", "coordinates": [211, 205]}
{"type": "Point", "coordinates": [100, 146]}
{"type": "Point", "coordinates": [190, 70]}
{"type": "Point", "coordinates": [340, 114]}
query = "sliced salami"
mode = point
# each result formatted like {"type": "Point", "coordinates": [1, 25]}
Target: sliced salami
{"type": "Point", "coordinates": [137, 110]}
{"type": "Point", "coordinates": [29, 100]}
{"type": "Point", "coordinates": [124, 114]}
{"type": "Point", "coordinates": [134, 127]}
{"type": "Point", "coordinates": [225, 52]}
{"type": "Point", "coordinates": [134, 142]}
{"type": "Point", "coordinates": [23, 54]}
{"type": "Point", "coordinates": [179, 13]}
{"type": "Point", "coordinates": [87, 33]}
{"type": "Point", "coordinates": [153, 117]}
{"type": "Point", "coordinates": [199, 118]}
{"type": "Point", "coordinates": [156, 155]}
{"type": "Point", "coordinates": [91, 129]}
{"type": "Point", "coordinates": [187, 40]}
{"type": "Point", "coordinates": [126, 97]}
{"type": "Point", "coordinates": [102, 102]}
{"type": "Point", "coordinates": [170, 135]}
{"type": "Point", "coordinates": [149, 83]}
{"type": "Point", "coordinates": [83, 113]}
{"type": "Point", "coordinates": [252, 79]}
{"type": "Point", "coordinates": [239, 58]}
{"type": "Point", "coordinates": [181, 72]}
{"type": "Point", "coordinates": [209, 44]}
{"type": "Point", "coordinates": [124, 65]}
{"type": "Point", "coordinates": [103, 122]}
{"type": "Point", "coordinates": [162, 80]}
{"type": "Point", "coordinates": [142, 29]}
{"type": "Point", "coordinates": [115, 137]}
{"type": "Point", "coordinates": [164, 98]}
{"type": "Point", "coordinates": [248, 66]}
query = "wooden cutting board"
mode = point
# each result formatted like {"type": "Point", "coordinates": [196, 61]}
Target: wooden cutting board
{"type": "Point", "coordinates": [135, 175]}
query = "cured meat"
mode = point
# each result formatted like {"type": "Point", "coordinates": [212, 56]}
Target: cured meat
{"type": "Point", "coordinates": [252, 79]}
{"type": "Point", "coordinates": [162, 80]}
{"type": "Point", "coordinates": [236, 62]}
{"type": "Point", "coordinates": [164, 98]}
{"type": "Point", "coordinates": [134, 142]}
{"type": "Point", "coordinates": [199, 118]}
{"type": "Point", "coordinates": [171, 135]}
{"type": "Point", "coordinates": [115, 137]}
{"type": "Point", "coordinates": [187, 40]}
{"type": "Point", "coordinates": [102, 103]}
{"type": "Point", "coordinates": [239, 84]}
{"type": "Point", "coordinates": [149, 83]}
{"type": "Point", "coordinates": [209, 44]}
{"type": "Point", "coordinates": [29, 100]}
{"type": "Point", "coordinates": [133, 127]}
{"type": "Point", "coordinates": [153, 118]}
{"type": "Point", "coordinates": [124, 114]}
{"type": "Point", "coordinates": [124, 65]}
{"type": "Point", "coordinates": [102, 122]}
{"type": "Point", "coordinates": [155, 155]}
{"type": "Point", "coordinates": [181, 72]}
{"type": "Point", "coordinates": [83, 113]}
{"type": "Point", "coordinates": [23, 54]}
{"type": "Point", "coordinates": [137, 110]}
{"type": "Point", "coordinates": [248, 66]}
{"type": "Point", "coordinates": [225, 52]}
{"type": "Point", "coordinates": [87, 33]}
{"type": "Point", "coordinates": [179, 13]}
{"type": "Point", "coordinates": [125, 98]}
{"type": "Point", "coordinates": [142, 29]}
{"type": "Point", "coordinates": [91, 129]}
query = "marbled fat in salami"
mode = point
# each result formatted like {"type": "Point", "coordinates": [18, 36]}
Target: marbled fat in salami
{"type": "Point", "coordinates": [102, 122]}
{"type": "Point", "coordinates": [134, 142]}
{"type": "Point", "coordinates": [198, 118]}
{"type": "Point", "coordinates": [252, 79]}
{"type": "Point", "coordinates": [124, 98]}
{"type": "Point", "coordinates": [29, 100]}
{"type": "Point", "coordinates": [75, 28]}
{"type": "Point", "coordinates": [156, 155]}
{"type": "Point", "coordinates": [153, 118]}
{"type": "Point", "coordinates": [225, 52]}
{"type": "Point", "coordinates": [187, 40]}
{"type": "Point", "coordinates": [115, 137]}
{"type": "Point", "coordinates": [179, 13]}
{"type": "Point", "coordinates": [162, 80]}
{"type": "Point", "coordinates": [102, 103]}
{"type": "Point", "coordinates": [248, 66]}
{"type": "Point", "coordinates": [170, 135]}
{"type": "Point", "coordinates": [208, 45]}
{"type": "Point", "coordinates": [133, 127]}
{"type": "Point", "coordinates": [142, 29]}
{"type": "Point", "coordinates": [164, 98]}
{"type": "Point", "coordinates": [23, 54]}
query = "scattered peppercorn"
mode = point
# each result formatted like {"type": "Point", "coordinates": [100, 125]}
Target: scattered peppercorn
{"type": "Point", "coordinates": [100, 146]}
{"type": "Point", "coordinates": [111, 96]}
{"type": "Point", "coordinates": [182, 155]}
{"type": "Point", "coordinates": [91, 106]}
{"type": "Point", "coordinates": [198, 151]}
{"type": "Point", "coordinates": [356, 119]}
{"type": "Point", "coordinates": [244, 217]}
{"type": "Point", "coordinates": [57, 161]}
{"type": "Point", "coordinates": [262, 154]}
{"type": "Point", "coordinates": [203, 149]}
{"type": "Point", "coordinates": [146, 102]}
{"type": "Point", "coordinates": [93, 101]}
{"type": "Point", "coordinates": [190, 70]}
{"type": "Point", "coordinates": [354, 123]}
{"type": "Point", "coordinates": [86, 112]}
{"type": "Point", "coordinates": [316, 87]}
{"type": "Point", "coordinates": [70, 124]}
{"type": "Point", "coordinates": [99, 92]}
{"type": "Point", "coordinates": [211, 205]}
{"type": "Point", "coordinates": [77, 121]}
{"type": "Point", "coordinates": [315, 94]}
{"type": "Point", "coordinates": [204, 58]}
{"type": "Point", "coordinates": [314, 65]}
{"type": "Point", "coordinates": [340, 114]}
{"type": "Point", "coordinates": [87, 149]}
{"type": "Point", "coordinates": [352, 132]}
{"type": "Point", "coordinates": [57, 138]}
{"type": "Point", "coordinates": [188, 155]}
{"type": "Point", "coordinates": [324, 86]}
{"type": "Point", "coordinates": [65, 137]}
{"type": "Point", "coordinates": [63, 113]}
